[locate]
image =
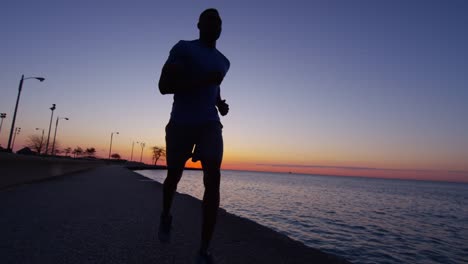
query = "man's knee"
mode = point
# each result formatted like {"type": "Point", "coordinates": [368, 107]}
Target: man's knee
{"type": "Point", "coordinates": [173, 177]}
{"type": "Point", "coordinates": [212, 187]}
{"type": "Point", "coordinates": [212, 180]}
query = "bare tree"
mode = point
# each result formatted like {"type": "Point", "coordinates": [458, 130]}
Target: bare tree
{"type": "Point", "coordinates": [67, 151]}
{"type": "Point", "coordinates": [158, 152]}
{"type": "Point", "coordinates": [115, 156]}
{"type": "Point", "coordinates": [35, 143]}
{"type": "Point", "coordinates": [78, 151]}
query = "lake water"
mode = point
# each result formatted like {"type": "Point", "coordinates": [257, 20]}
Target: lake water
{"type": "Point", "coordinates": [361, 219]}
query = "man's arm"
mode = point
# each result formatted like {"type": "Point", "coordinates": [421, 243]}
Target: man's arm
{"type": "Point", "coordinates": [174, 79]}
{"type": "Point", "coordinates": [171, 79]}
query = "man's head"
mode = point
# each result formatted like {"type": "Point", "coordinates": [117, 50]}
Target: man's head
{"type": "Point", "coordinates": [209, 25]}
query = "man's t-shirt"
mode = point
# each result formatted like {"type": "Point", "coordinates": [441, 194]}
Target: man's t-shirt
{"type": "Point", "coordinates": [196, 106]}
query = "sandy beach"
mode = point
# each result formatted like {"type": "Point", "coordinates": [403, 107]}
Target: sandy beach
{"type": "Point", "coordinates": [109, 214]}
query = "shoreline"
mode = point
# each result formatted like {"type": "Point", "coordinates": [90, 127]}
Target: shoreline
{"type": "Point", "coordinates": [17, 169]}
{"type": "Point", "coordinates": [75, 206]}
{"type": "Point", "coordinates": [141, 166]}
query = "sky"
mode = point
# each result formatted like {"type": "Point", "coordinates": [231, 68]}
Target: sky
{"type": "Point", "coordinates": [363, 88]}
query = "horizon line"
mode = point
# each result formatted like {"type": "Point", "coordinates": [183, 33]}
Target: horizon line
{"type": "Point", "coordinates": [358, 168]}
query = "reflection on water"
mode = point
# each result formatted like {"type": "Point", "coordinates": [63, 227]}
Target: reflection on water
{"type": "Point", "coordinates": [364, 220]}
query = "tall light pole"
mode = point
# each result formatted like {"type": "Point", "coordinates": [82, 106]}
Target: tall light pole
{"type": "Point", "coordinates": [16, 106]}
{"type": "Point", "coordinates": [55, 134]}
{"type": "Point", "coordinates": [17, 131]}
{"type": "Point", "coordinates": [133, 145]}
{"type": "Point", "coordinates": [50, 126]}
{"type": "Point", "coordinates": [42, 139]}
{"type": "Point", "coordinates": [2, 116]}
{"type": "Point", "coordinates": [110, 148]}
{"type": "Point", "coordinates": [142, 144]}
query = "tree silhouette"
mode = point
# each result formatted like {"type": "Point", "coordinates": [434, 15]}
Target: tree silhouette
{"type": "Point", "coordinates": [158, 152]}
{"type": "Point", "coordinates": [115, 156]}
{"type": "Point", "coordinates": [78, 151]}
{"type": "Point", "coordinates": [35, 143]}
{"type": "Point", "coordinates": [90, 152]}
{"type": "Point", "coordinates": [67, 151]}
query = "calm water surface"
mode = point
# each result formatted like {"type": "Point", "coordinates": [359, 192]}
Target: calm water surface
{"type": "Point", "coordinates": [364, 220]}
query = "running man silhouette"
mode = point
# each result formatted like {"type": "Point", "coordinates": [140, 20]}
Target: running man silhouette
{"type": "Point", "coordinates": [193, 73]}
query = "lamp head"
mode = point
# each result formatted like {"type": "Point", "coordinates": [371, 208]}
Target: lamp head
{"type": "Point", "coordinates": [40, 79]}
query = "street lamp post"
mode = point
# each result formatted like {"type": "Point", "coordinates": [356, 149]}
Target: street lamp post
{"type": "Point", "coordinates": [55, 134]}
{"type": "Point", "coordinates": [50, 126]}
{"type": "Point", "coordinates": [2, 116]}
{"type": "Point", "coordinates": [42, 139]}
{"type": "Point", "coordinates": [142, 144]}
{"type": "Point", "coordinates": [133, 145]}
{"type": "Point", "coordinates": [16, 107]}
{"type": "Point", "coordinates": [110, 147]}
{"type": "Point", "coordinates": [17, 131]}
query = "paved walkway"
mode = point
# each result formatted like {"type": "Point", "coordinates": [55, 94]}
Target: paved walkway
{"type": "Point", "coordinates": [110, 215]}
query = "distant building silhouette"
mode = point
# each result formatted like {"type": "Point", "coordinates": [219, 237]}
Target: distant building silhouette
{"type": "Point", "coordinates": [26, 151]}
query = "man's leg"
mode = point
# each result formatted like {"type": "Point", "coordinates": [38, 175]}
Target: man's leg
{"type": "Point", "coordinates": [210, 205]}
{"type": "Point", "coordinates": [179, 144]}
{"type": "Point", "coordinates": [169, 188]}
{"type": "Point", "coordinates": [210, 151]}
{"type": "Point", "coordinates": [178, 149]}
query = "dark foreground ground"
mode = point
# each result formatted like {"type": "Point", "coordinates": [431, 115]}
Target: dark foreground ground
{"type": "Point", "coordinates": [109, 214]}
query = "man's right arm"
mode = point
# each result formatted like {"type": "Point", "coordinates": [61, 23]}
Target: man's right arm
{"type": "Point", "coordinates": [174, 79]}
{"type": "Point", "coordinates": [170, 80]}
{"type": "Point", "coordinates": [172, 72]}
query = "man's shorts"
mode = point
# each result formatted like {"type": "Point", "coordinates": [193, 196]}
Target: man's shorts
{"type": "Point", "coordinates": [202, 142]}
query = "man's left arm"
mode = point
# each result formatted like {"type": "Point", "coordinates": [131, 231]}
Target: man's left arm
{"type": "Point", "coordinates": [223, 107]}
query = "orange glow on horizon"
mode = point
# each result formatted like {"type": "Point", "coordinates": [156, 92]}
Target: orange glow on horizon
{"type": "Point", "coordinates": [255, 161]}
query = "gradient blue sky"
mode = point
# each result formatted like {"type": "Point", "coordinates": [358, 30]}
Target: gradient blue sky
{"type": "Point", "coordinates": [379, 84]}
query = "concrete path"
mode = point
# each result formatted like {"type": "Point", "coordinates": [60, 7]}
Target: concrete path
{"type": "Point", "coordinates": [110, 215]}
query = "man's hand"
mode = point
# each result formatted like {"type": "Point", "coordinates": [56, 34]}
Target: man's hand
{"type": "Point", "coordinates": [223, 107]}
